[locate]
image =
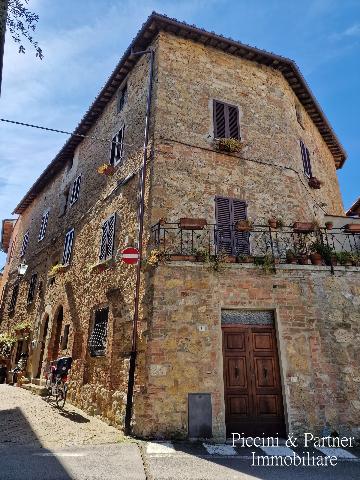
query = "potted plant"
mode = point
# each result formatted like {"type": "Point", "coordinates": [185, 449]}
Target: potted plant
{"type": "Point", "coordinates": [320, 252]}
{"type": "Point", "coordinates": [280, 223]}
{"type": "Point", "coordinates": [230, 145]}
{"type": "Point", "coordinates": [245, 259]}
{"type": "Point", "coordinates": [329, 225]}
{"type": "Point", "coordinates": [22, 329]}
{"type": "Point", "coordinates": [303, 227]}
{"type": "Point", "coordinates": [106, 169]}
{"type": "Point", "coordinates": [273, 222]}
{"type": "Point", "coordinates": [291, 257]}
{"type": "Point", "coordinates": [314, 183]}
{"type": "Point", "coordinates": [202, 255]}
{"type": "Point", "coordinates": [345, 258]}
{"type": "Point", "coordinates": [355, 258]}
{"type": "Point", "coordinates": [352, 228]}
{"type": "Point", "coordinates": [192, 223]}
{"type": "Point", "coordinates": [243, 225]}
{"type": "Point", "coordinates": [56, 269]}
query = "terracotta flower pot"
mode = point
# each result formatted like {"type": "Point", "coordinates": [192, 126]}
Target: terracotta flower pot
{"type": "Point", "coordinates": [183, 258]}
{"type": "Point", "coordinates": [303, 260]}
{"type": "Point", "coordinates": [303, 227]}
{"type": "Point", "coordinates": [230, 259]}
{"type": "Point", "coordinates": [329, 225]}
{"type": "Point", "coordinates": [316, 259]}
{"type": "Point", "coordinates": [192, 223]}
{"type": "Point", "coordinates": [243, 226]}
{"type": "Point", "coordinates": [352, 228]}
{"type": "Point", "coordinates": [272, 223]}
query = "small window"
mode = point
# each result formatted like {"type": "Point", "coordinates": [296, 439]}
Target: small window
{"type": "Point", "coordinates": [299, 115]}
{"type": "Point", "coordinates": [68, 244]}
{"type": "Point", "coordinates": [25, 244]}
{"type": "Point", "coordinates": [32, 287]}
{"type": "Point", "coordinates": [43, 226]}
{"type": "Point", "coordinates": [305, 154]}
{"type": "Point", "coordinates": [122, 98]}
{"type": "Point", "coordinates": [116, 154]}
{"type": "Point", "coordinates": [107, 238]}
{"type": "Point", "coordinates": [226, 120]}
{"type": "Point", "coordinates": [14, 297]}
{"type": "Point", "coordinates": [98, 337]}
{"type": "Point", "coordinates": [65, 337]}
{"type": "Point", "coordinates": [75, 192]}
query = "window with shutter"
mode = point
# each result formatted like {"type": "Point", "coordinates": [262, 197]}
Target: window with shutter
{"type": "Point", "coordinates": [75, 192]}
{"type": "Point", "coordinates": [305, 154]}
{"type": "Point", "coordinates": [98, 336]}
{"type": "Point", "coordinates": [14, 297]}
{"type": "Point", "coordinates": [43, 226]}
{"type": "Point", "coordinates": [116, 153]}
{"type": "Point", "coordinates": [68, 245]}
{"type": "Point", "coordinates": [226, 120]}
{"type": "Point", "coordinates": [228, 211]}
{"type": "Point", "coordinates": [32, 286]}
{"type": "Point", "coordinates": [25, 244]}
{"type": "Point", "coordinates": [107, 238]}
{"type": "Point", "coordinates": [122, 98]}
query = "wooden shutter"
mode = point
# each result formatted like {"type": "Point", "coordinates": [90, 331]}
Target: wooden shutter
{"type": "Point", "coordinates": [305, 154]}
{"type": "Point", "coordinates": [98, 337]}
{"type": "Point", "coordinates": [44, 222]}
{"type": "Point", "coordinates": [24, 244]}
{"type": "Point", "coordinates": [32, 286]}
{"type": "Point", "coordinates": [75, 190]}
{"type": "Point", "coordinates": [226, 121]}
{"type": "Point", "coordinates": [228, 212]}
{"type": "Point", "coordinates": [68, 244]}
{"type": "Point", "coordinates": [14, 297]}
{"type": "Point", "coordinates": [107, 238]}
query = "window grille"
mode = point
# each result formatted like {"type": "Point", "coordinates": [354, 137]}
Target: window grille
{"type": "Point", "coordinates": [68, 244]}
{"type": "Point", "coordinates": [122, 98]}
{"type": "Point", "coordinates": [32, 286]}
{"type": "Point", "coordinates": [25, 244]}
{"type": "Point", "coordinates": [14, 297]}
{"type": "Point", "coordinates": [98, 337]}
{"type": "Point", "coordinates": [116, 153]}
{"type": "Point", "coordinates": [306, 159]}
{"type": "Point", "coordinates": [226, 121]}
{"type": "Point", "coordinates": [75, 192]}
{"type": "Point", "coordinates": [43, 226]}
{"type": "Point", "coordinates": [107, 238]}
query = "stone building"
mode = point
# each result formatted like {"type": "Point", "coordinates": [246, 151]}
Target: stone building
{"type": "Point", "coordinates": [265, 344]}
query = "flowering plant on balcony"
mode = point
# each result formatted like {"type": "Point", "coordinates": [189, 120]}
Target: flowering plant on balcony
{"type": "Point", "coordinates": [56, 269]}
{"type": "Point", "coordinates": [106, 169]}
{"type": "Point", "coordinates": [156, 257]}
{"type": "Point", "coordinates": [22, 329]}
{"type": "Point", "coordinates": [230, 145]}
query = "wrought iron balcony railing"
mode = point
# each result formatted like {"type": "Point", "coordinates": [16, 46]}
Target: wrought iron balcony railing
{"type": "Point", "coordinates": [285, 245]}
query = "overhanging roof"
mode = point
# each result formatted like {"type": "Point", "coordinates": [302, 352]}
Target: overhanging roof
{"type": "Point", "coordinates": [354, 209]}
{"type": "Point", "coordinates": [149, 30]}
{"type": "Point", "coordinates": [6, 232]}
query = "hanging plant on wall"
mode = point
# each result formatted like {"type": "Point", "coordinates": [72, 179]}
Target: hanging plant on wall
{"type": "Point", "coordinates": [56, 269]}
{"type": "Point", "coordinates": [230, 145]}
{"type": "Point", "coordinates": [106, 169]}
{"type": "Point", "coordinates": [314, 183]}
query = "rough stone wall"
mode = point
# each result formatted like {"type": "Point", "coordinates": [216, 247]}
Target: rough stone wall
{"type": "Point", "coordinates": [318, 327]}
{"type": "Point", "coordinates": [98, 385]}
{"type": "Point", "coordinates": [188, 167]}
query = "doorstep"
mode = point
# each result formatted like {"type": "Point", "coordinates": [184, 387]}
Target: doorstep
{"type": "Point", "coordinates": [36, 389]}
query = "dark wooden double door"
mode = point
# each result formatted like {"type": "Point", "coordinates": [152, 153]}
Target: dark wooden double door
{"type": "Point", "coordinates": [253, 394]}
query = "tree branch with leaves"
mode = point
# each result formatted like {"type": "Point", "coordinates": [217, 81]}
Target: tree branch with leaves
{"type": "Point", "coordinates": [20, 22]}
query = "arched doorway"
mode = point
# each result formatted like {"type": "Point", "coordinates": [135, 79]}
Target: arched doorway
{"type": "Point", "coordinates": [57, 327]}
{"type": "Point", "coordinates": [42, 342]}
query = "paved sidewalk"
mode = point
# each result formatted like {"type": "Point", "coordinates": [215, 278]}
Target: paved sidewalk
{"type": "Point", "coordinates": [27, 419]}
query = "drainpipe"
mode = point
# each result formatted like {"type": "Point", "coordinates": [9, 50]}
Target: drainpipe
{"type": "Point", "coordinates": [141, 207]}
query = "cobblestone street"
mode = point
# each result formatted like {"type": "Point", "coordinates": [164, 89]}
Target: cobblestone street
{"type": "Point", "coordinates": [27, 419]}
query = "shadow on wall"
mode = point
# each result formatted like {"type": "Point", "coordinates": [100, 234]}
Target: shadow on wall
{"type": "Point", "coordinates": [19, 451]}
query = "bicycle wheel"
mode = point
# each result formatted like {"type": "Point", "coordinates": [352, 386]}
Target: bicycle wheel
{"type": "Point", "coordinates": [60, 397]}
{"type": "Point", "coordinates": [48, 390]}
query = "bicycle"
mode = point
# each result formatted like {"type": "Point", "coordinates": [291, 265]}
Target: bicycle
{"type": "Point", "coordinates": [56, 381]}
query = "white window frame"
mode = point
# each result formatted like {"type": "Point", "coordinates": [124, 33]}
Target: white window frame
{"type": "Point", "coordinates": [43, 226]}
{"type": "Point", "coordinates": [75, 191]}
{"type": "Point", "coordinates": [107, 238]}
{"type": "Point", "coordinates": [25, 243]}
{"type": "Point", "coordinates": [117, 151]}
{"type": "Point", "coordinates": [68, 246]}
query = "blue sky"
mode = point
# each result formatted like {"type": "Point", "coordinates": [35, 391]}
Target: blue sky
{"type": "Point", "coordinates": [83, 40]}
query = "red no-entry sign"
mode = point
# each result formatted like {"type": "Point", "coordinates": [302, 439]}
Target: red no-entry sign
{"type": "Point", "coordinates": [130, 255]}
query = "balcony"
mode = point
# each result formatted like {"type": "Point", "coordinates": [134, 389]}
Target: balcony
{"type": "Point", "coordinates": [297, 244]}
